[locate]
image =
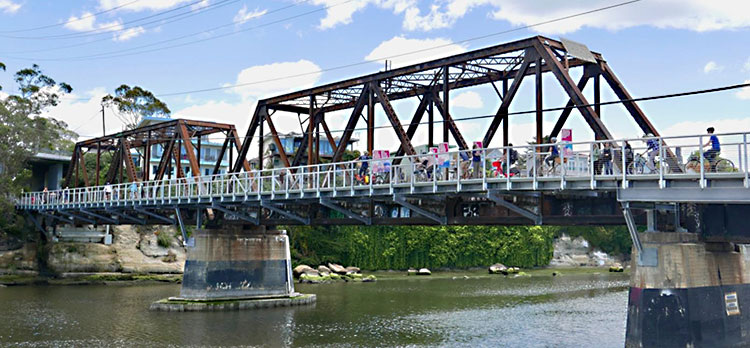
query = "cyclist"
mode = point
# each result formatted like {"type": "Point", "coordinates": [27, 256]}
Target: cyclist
{"type": "Point", "coordinates": [653, 151]}
{"type": "Point", "coordinates": [554, 153]}
{"type": "Point", "coordinates": [715, 149]}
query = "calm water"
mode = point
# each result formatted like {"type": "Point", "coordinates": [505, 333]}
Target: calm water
{"type": "Point", "coordinates": [565, 311]}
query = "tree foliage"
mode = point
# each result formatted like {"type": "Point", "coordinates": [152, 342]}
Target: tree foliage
{"type": "Point", "coordinates": [23, 133]}
{"type": "Point", "coordinates": [401, 247]}
{"type": "Point", "coordinates": [135, 103]}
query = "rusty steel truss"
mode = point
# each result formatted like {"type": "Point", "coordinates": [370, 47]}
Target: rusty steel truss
{"type": "Point", "coordinates": [172, 135]}
{"type": "Point", "coordinates": [431, 83]}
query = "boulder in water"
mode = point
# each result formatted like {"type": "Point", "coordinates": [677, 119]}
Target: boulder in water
{"type": "Point", "coordinates": [324, 270]}
{"type": "Point", "coordinates": [498, 268]}
{"type": "Point", "coordinates": [411, 271]}
{"type": "Point", "coordinates": [424, 271]}
{"type": "Point", "coordinates": [352, 269]}
{"type": "Point", "coordinates": [299, 270]}
{"type": "Point", "coordinates": [337, 268]}
{"type": "Point", "coordinates": [369, 278]}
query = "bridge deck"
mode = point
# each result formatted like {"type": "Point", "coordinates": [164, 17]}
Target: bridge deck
{"type": "Point", "coordinates": [435, 175]}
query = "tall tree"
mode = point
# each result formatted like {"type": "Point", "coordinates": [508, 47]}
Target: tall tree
{"type": "Point", "coordinates": [23, 133]}
{"type": "Point", "coordinates": [134, 103]}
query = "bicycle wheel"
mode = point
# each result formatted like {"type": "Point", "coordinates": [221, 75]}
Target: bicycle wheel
{"type": "Point", "coordinates": [724, 165]}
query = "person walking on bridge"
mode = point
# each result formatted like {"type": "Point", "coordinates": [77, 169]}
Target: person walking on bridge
{"type": "Point", "coordinates": [107, 191]}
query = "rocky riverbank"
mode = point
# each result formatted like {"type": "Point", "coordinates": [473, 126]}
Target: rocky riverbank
{"type": "Point", "coordinates": [137, 253]}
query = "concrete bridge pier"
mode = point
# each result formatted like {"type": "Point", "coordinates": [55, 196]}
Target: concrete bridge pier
{"type": "Point", "coordinates": [688, 293]}
{"type": "Point", "coordinates": [231, 268]}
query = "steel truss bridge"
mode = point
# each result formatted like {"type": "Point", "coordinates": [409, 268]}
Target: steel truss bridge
{"type": "Point", "coordinates": [581, 186]}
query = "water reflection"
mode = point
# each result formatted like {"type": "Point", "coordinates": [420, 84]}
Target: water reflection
{"type": "Point", "coordinates": [581, 311]}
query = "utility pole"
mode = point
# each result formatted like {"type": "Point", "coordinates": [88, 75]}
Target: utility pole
{"type": "Point", "coordinates": [104, 130]}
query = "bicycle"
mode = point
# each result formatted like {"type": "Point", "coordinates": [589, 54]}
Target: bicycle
{"type": "Point", "coordinates": [715, 165]}
{"type": "Point", "coordinates": [639, 164]}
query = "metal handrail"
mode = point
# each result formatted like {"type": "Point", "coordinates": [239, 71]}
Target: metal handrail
{"type": "Point", "coordinates": [337, 177]}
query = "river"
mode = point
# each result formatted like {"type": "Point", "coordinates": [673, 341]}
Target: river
{"type": "Point", "coordinates": [447, 309]}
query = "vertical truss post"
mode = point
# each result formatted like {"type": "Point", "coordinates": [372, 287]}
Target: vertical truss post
{"type": "Point", "coordinates": [276, 140]}
{"type": "Point", "coordinates": [431, 125]}
{"type": "Point", "coordinates": [311, 123]}
{"type": "Point", "coordinates": [370, 124]}
{"type": "Point", "coordinates": [539, 104]}
{"type": "Point", "coordinates": [98, 159]}
{"type": "Point", "coordinates": [260, 137]}
{"type": "Point", "coordinates": [189, 150]}
{"type": "Point", "coordinates": [446, 97]}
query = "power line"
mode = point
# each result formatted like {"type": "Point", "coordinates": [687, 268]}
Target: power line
{"type": "Point", "coordinates": [525, 112]}
{"type": "Point", "coordinates": [340, 67]}
{"type": "Point", "coordinates": [156, 23]}
{"type": "Point", "coordinates": [398, 55]}
{"type": "Point", "coordinates": [104, 29]}
{"type": "Point", "coordinates": [71, 21]}
{"type": "Point", "coordinates": [124, 52]}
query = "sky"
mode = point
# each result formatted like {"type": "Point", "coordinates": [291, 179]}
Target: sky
{"type": "Point", "coordinates": [175, 48]}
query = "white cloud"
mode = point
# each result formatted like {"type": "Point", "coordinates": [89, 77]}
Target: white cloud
{"type": "Point", "coordinates": [341, 13]}
{"type": "Point", "coordinates": [267, 80]}
{"type": "Point", "coordinates": [243, 16]}
{"type": "Point", "coordinates": [695, 15]}
{"type": "Point", "coordinates": [469, 100]}
{"type": "Point", "coordinates": [711, 67]}
{"type": "Point", "coordinates": [418, 50]}
{"type": "Point", "coordinates": [150, 5]}
{"type": "Point", "coordinates": [87, 22]}
{"type": "Point", "coordinates": [129, 33]}
{"type": "Point", "coordinates": [200, 5]}
{"type": "Point", "coordinates": [744, 93]}
{"type": "Point", "coordinates": [82, 113]}
{"type": "Point", "coordinates": [8, 6]}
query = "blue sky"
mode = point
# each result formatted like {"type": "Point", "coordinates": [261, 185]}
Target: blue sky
{"type": "Point", "coordinates": [654, 46]}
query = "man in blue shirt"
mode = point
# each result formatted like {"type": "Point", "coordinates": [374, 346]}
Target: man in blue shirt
{"type": "Point", "coordinates": [713, 152]}
{"type": "Point", "coordinates": [364, 163]}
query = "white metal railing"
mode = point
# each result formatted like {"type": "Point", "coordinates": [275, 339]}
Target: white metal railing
{"type": "Point", "coordinates": [614, 160]}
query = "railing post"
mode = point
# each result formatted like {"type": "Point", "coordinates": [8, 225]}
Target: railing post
{"type": "Point", "coordinates": [561, 151]}
{"type": "Point", "coordinates": [703, 171]}
{"type": "Point", "coordinates": [661, 164]}
{"type": "Point", "coordinates": [458, 172]}
{"type": "Point", "coordinates": [484, 168]}
{"type": "Point", "coordinates": [744, 145]}
{"type": "Point", "coordinates": [624, 166]}
{"type": "Point", "coordinates": [592, 170]}
{"type": "Point", "coordinates": [507, 167]}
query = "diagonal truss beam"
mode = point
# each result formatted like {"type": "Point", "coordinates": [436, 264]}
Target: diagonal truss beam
{"type": "Point", "coordinates": [238, 145]}
{"type": "Point", "coordinates": [419, 210]}
{"type": "Point", "coordinates": [155, 216]}
{"type": "Point", "coordinates": [283, 212]}
{"type": "Point", "coordinates": [388, 108]}
{"type": "Point", "coordinates": [77, 217]}
{"type": "Point", "coordinates": [415, 120]}
{"type": "Point", "coordinates": [499, 200]}
{"type": "Point", "coordinates": [187, 143]}
{"type": "Point", "coordinates": [358, 107]}
{"type": "Point", "coordinates": [502, 112]}
{"type": "Point", "coordinates": [587, 74]}
{"type": "Point", "coordinates": [328, 203]}
{"type": "Point", "coordinates": [318, 116]}
{"type": "Point", "coordinates": [166, 159]}
{"type": "Point", "coordinates": [449, 120]}
{"type": "Point", "coordinates": [260, 110]}
{"type": "Point", "coordinates": [221, 156]}
{"type": "Point", "coordinates": [275, 136]}
{"type": "Point", "coordinates": [236, 214]}
{"type": "Point", "coordinates": [82, 164]}
{"type": "Point", "coordinates": [127, 217]}
{"type": "Point", "coordinates": [574, 93]}
{"type": "Point", "coordinates": [100, 217]}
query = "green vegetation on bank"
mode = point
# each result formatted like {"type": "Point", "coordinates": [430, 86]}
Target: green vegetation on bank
{"type": "Point", "coordinates": [401, 247]}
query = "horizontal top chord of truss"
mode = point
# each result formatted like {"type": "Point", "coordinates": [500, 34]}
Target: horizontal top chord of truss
{"type": "Point", "coordinates": [467, 69]}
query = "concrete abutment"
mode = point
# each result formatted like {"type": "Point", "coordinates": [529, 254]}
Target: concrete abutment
{"type": "Point", "coordinates": [688, 293]}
